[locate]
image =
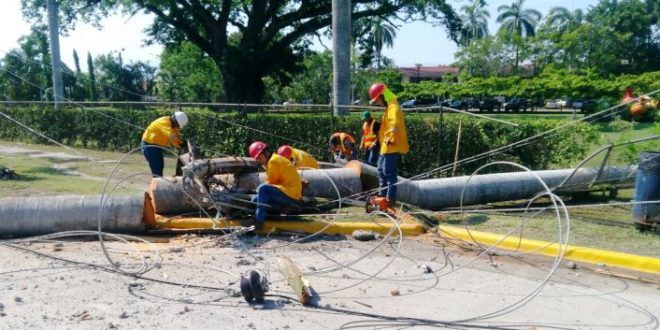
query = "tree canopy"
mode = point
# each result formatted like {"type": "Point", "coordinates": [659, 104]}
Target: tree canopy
{"type": "Point", "coordinates": [271, 34]}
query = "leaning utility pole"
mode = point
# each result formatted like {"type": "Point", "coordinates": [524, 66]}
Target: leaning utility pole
{"type": "Point", "coordinates": [56, 63]}
{"type": "Point", "coordinates": [341, 55]}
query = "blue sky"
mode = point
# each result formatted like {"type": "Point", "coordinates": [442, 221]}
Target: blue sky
{"type": "Point", "coordinates": [415, 43]}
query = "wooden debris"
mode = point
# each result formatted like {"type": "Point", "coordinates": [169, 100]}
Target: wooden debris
{"type": "Point", "coordinates": [626, 276]}
{"type": "Point", "coordinates": [298, 283]}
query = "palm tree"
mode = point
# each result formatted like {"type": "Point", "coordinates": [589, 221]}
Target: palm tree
{"type": "Point", "coordinates": [562, 19]}
{"type": "Point", "coordinates": [475, 22]}
{"type": "Point", "coordinates": [518, 21]}
{"type": "Point", "coordinates": [382, 34]}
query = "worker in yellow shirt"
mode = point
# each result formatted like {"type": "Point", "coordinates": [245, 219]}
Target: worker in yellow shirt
{"type": "Point", "coordinates": [162, 133]}
{"type": "Point", "coordinates": [283, 187]}
{"type": "Point", "coordinates": [393, 140]}
{"type": "Point", "coordinates": [299, 158]}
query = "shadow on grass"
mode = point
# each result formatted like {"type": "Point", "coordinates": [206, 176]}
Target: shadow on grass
{"type": "Point", "coordinates": [46, 170]}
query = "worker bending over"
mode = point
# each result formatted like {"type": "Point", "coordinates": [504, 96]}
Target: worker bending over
{"type": "Point", "coordinates": [393, 138]}
{"type": "Point", "coordinates": [369, 142]}
{"type": "Point", "coordinates": [299, 158]}
{"type": "Point", "coordinates": [162, 132]}
{"type": "Point", "coordinates": [342, 146]}
{"type": "Point", "coordinates": [283, 187]}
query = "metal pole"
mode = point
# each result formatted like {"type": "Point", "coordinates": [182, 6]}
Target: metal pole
{"type": "Point", "coordinates": [56, 63]}
{"type": "Point", "coordinates": [341, 51]}
{"type": "Point", "coordinates": [441, 126]}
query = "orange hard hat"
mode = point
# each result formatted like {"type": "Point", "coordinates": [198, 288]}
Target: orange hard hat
{"type": "Point", "coordinates": [256, 148]}
{"type": "Point", "coordinates": [376, 90]}
{"type": "Point", "coordinates": [285, 151]}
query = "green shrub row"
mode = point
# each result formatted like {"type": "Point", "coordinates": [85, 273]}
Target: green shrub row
{"type": "Point", "coordinates": [548, 85]}
{"type": "Point", "coordinates": [217, 134]}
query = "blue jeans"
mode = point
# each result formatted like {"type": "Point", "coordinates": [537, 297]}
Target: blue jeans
{"type": "Point", "coordinates": [154, 156]}
{"type": "Point", "coordinates": [271, 195]}
{"type": "Point", "coordinates": [371, 156]}
{"type": "Point", "coordinates": [388, 175]}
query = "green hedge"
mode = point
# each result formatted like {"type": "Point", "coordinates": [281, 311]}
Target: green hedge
{"type": "Point", "coordinates": [548, 85]}
{"type": "Point", "coordinates": [230, 134]}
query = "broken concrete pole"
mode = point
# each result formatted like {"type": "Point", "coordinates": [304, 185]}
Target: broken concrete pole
{"type": "Point", "coordinates": [44, 215]}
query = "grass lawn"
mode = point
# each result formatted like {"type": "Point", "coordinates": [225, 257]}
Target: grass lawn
{"type": "Point", "coordinates": [42, 171]}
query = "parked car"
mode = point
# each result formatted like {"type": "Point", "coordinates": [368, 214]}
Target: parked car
{"type": "Point", "coordinates": [458, 104]}
{"type": "Point", "coordinates": [409, 104]}
{"type": "Point", "coordinates": [489, 104]}
{"type": "Point", "coordinates": [471, 102]}
{"type": "Point", "coordinates": [552, 104]}
{"type": "Point", "coordinates": [556, 104]}
{"type": "Point", "coordinates": [445, 103]}
{"type": "Point", "coordinates": [581, 104]}
{"type": "Point", "coordinates": [516, 104]}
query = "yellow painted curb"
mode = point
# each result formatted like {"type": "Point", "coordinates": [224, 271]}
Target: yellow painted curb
{"type": "Point", "coordinates": [310, 227]}
{"type": "Point", "coordinates": [577, 253]}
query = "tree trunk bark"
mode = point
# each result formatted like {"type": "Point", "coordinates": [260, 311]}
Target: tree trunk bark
{"type": "Point", "coordinates": [242, 79]}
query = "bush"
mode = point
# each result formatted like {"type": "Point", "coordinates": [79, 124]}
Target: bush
{"type": "Point", "coordinates": [619, 125]}
{"type": "Point", "coordinates": [230, 134]}
{"type": "Point", "coordinates": [548, 85]}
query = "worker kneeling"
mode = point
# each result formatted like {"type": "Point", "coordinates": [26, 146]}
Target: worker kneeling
{"type": "Point", "coordinates": [283, 187]}
{"type": "Point", "coordinates": [299, 158]}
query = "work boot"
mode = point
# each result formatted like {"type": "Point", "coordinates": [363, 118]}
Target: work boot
{"type": "Point", "coordinates": [391, 207]}
{"type": "Point", "coordinates": [247, 222]}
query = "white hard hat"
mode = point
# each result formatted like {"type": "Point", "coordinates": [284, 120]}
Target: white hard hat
{"type": "Point", "coordinates": [181, 118]}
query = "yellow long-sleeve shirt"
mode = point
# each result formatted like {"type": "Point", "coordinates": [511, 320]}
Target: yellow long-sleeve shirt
{"type": "Point", "coordinates": [392, 134]}
{"type": "Point", "coordinates": [283, 175]}
{"type": "Point", "coordinates": [302, 159]}
{"type": "Point", "coordinates": [160, 132]}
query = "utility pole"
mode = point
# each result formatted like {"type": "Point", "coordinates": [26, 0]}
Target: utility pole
{"type": "Point", "coordinates": [341, 55]}
{"type": "Point", "coordinates": [56, 63]}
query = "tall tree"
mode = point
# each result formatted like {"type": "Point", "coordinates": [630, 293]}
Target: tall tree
{"type": "Point", "coordinates": [76, 61]}
{"type": "Point", "coordinates": [518, 22]}
{"type": "Point", "coordinates": [562, 19]}
{"type": "Point", "coordinates": [92, 78]}
{"type": "Point", "coordinates": [475, 22]}
{"type": "Point", "coordinates": [631, 43]}
{"type": "Point", "coordinates": [382, 34]}
{"type": "Point", "coordinates": [25, 73]}
{"type": "Point", "coordinates": [123, 82]}
{"type": "Point", "coordinates": [186, 74]}
{"type": "Point", "coordinates": [271, 33]}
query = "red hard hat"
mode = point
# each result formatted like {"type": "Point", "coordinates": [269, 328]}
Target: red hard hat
{"type": "Point", "coordinates": [376, 90]}
{"type": "Point", "coordinates": [284, 151]}
{"type": "Point", "coordinates": [256, 148]}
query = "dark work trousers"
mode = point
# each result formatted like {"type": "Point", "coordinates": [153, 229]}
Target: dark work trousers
{"type": "Point", "coordinates": [154, 156]}
{"type": "Point", "coordinates": [388, 175]}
